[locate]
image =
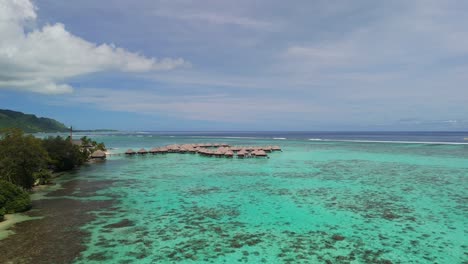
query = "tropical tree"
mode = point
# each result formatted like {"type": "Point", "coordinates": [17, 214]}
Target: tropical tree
{"type": "Point", "coordinates": [64, 155]}
{"type": "Point", "coordinates": [20, 157]}
{"type": "Point", "coordinates": [12, 199]}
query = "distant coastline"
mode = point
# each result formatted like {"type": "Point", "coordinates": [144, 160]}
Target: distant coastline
{"type": "Point", "coordinates": [29, 123]}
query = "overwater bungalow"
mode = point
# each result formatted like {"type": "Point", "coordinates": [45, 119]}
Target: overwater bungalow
{"type": "Point", "coordinates": [250, 149]}
{"type": "Point", "coordinates": [229, 154]}
{"type": "Point", "coordinates": [173, 148]}
{"type": "Point", "coordinates": [98, 154]}
{"type": "Point", "coordinates": [204, 152]}
{"type": "Point", "coordinates": [207, 149]}
{"type": "Point", "coordinates": [235, 149]}
{"type": "Point", "coordinates": [130, 152]}
{"type": "Point", "coordinates": [242, 154]}
{"type": "Point", "coordinates": [192, 150]}
{"type": "Point", "coordinates": [163, 150]}
{"type": "Point", "coordinates": [260, 153]}
{"type": "Point", "coordinates": [142, 151]}
{"type": "Point", "coordinates": [276, 148]}
{"type": "Point", "coordinates": [154, 151]}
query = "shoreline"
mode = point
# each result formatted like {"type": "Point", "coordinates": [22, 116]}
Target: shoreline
{"type": "Point", "coordinates": [10, 221]}
{"type": "Point", "coordinates": [38, 192]}
{"type": "Point", "coordinates": [51, 231]}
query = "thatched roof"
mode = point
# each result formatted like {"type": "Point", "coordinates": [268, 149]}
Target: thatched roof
{"type": "Point", "coordinates": [154, 150]}
{"type": "Point", "coordinates": [260, 153]}
{"type": "Point", "coordinates": [163, 149]}
{"type": "Point", "coordinates": [208, 150]}
{"type": "Point", "coordinates": [98, 154]}
{"type": "Point", "coordinates": [129, 152]}
{"type": "Point", "coordinates": [142, 151]}
{"type": "Point", "coordinates": [183, 150]}
{"type": "Point", "coordinates": [241, 154]}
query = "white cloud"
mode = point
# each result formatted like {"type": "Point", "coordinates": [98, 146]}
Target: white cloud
{"type": "Point", "coordinates": [217, 19]}
{"type": "Point", "coordinates": [42, 59]}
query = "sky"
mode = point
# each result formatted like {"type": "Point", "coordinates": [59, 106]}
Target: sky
{"type": "Point", "coordinates": [237, 65]}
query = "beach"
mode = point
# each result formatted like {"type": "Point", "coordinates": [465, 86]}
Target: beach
{"type": "Point", "coordinates": [317, 201]}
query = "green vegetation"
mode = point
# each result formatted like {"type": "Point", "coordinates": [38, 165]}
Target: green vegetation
{"type": "Point", "coordinates": [63, 154]}
{"type": "Point", "coordinates": [20, 156]}
{"type": "Point", "coordinates": [29, 123]}
{"type": "Point", "coordinates": [42, 177]}
{"type": "Point", "coordinates": [26, 161]}
{"type": "Point", "coordinates": [12, 199]}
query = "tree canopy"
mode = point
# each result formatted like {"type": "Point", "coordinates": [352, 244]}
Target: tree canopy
{"type": "Point", "coordinates": [20, 157]}
{"type": "Point", "coordinates": [12, 199]}
{"type": "Point", "coordinates": [63, 154]}
{"type": "Point", "coordinates": [26, 160]}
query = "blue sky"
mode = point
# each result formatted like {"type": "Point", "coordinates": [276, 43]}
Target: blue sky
{"type": "Point", "coordinates": [237, 65]}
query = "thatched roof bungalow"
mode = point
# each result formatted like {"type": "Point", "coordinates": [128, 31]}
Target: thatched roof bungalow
{"type": "Point", "coordinates": [130, 152]}
{"type": "Point", "coordinates": [229, 154]}
{"type": "Point", "coordinates": [192, 150]}
{"type": "Point", "coordinates": [163, 150]}
{"type": "Point", "coordinates": [219, 152]}
{"type": "Point", "coordinates": [173, 148]}
{"type": "Point", "coordinates": [276, 148]}
{"type": "Point", "coordinates": [260, 153]}
{"type": "Point", "coordinates": [183, 150]}
{"type": "Point", "coordinates": [98, 154]}
{"type": "Point", "coordinates": [235, 149]}
{"type": "Point", "coordinates": [154, 151]}
{"type": "Point", "coordinates": [142, 151]}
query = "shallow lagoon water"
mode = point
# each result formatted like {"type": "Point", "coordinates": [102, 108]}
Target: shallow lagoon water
{"type": "Point", "coordinates": [315, 202]}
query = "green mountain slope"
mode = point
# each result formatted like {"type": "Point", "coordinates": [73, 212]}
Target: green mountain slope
{"type": "Point", "coordinates": [29, 123]}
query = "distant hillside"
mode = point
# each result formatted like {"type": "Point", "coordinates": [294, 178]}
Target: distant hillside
{"type": "Point", "coordinates": [29, 123]}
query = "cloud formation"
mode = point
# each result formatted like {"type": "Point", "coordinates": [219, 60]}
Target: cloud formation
{"type": "Point", "coordinates": [42, 59]}
{"type": "Point", "coordinates": [364, 63]}
{"type": "Point", "coordinates": [217, 19]}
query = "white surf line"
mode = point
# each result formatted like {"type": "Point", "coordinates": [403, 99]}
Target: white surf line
{"type": "Point", "coordinates": [392, 142]}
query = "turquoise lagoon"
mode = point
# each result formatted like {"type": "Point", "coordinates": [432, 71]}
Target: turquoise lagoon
{"type": "Point", "coordinates": [315, 202]}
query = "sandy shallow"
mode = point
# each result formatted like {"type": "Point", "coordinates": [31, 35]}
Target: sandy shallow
{"type": "Point", "coordinates": [10, 221]}
{"type": "Point", "coordinates": [50, 233]}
